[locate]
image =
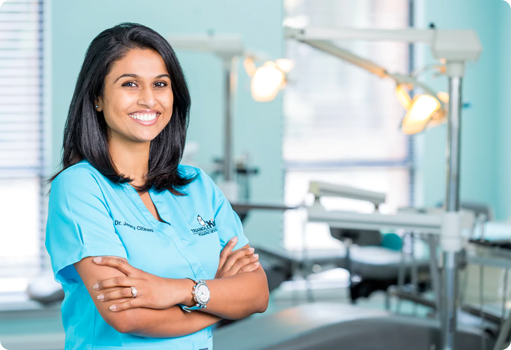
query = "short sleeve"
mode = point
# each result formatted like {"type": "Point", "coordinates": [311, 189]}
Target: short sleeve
{"type": "Point", "coordinates": [227, 220]}
{"type": "Point", "coordinates": [79, 223]}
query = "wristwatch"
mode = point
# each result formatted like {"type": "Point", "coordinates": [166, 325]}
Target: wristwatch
{"type": "Point", "coordinates": [201, 295]}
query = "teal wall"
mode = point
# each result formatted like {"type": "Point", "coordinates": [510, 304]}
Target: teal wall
{"type": "Point", "coordinates": [502, 92]}
{"type": "Point", "coordinates": [258, 127]}
{"type": "Point", "coordinates": [485, 129]}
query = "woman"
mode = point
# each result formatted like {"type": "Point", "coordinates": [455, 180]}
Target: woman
{"type": "Point", "coordinates": [149, 252]}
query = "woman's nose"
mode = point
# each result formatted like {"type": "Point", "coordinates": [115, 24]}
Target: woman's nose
{"type": "Point", "coordinates": [147, 98]}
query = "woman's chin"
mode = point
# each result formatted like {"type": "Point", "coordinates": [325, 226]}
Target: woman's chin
{"type": "Point", "coordinates": [144, 137]}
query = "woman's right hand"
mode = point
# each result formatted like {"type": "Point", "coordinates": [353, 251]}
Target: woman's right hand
{"type": "Point", "coordinates": [232, 263]}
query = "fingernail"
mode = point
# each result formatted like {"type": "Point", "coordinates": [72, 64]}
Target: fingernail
{"type": "Point", "coordinates": [234, 239]}
{"type": "Point", "coordinates": [101, 297]}
{"type": "Point", "coordinates": [251, 249]}
{"type": "Point", "coordinates": [96, 286]}
{"type": "Point", "coordinates": [256, 255]}
{"type": "Point", "coordinates": [113, 307]}
{"type": "Point", "coordinates": [98, 259]}
{"type": "Point", "coordinates": [256, 264]}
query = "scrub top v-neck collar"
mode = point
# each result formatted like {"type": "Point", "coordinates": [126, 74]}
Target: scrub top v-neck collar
{"type": "Point", "coordinates": [162, 226]}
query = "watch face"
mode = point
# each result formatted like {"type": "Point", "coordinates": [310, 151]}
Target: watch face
{"type": "Point", "coordinates": [202, 293]}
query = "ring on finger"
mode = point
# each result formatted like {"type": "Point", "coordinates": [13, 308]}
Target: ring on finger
{"type": "Point", "coordinates": [134, 291]}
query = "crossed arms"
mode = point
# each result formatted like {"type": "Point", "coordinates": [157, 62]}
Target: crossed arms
{"type": "Point", "coordinates": [239, 290]}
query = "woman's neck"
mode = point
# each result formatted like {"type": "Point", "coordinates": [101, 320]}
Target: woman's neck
{"type": "Point", "coordinates": [131, 159]}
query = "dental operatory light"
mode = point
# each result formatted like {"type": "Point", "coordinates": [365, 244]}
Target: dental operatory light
{"type": "Point", "coordinates": [419, 114]}
{"type": "Point", "coordinates": [424, 111]}
{"type": "Point", "coordinates": [266, 82]}
{"type": "Point", "coordinates": [268, 79]}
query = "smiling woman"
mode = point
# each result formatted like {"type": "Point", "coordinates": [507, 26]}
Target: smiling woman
{"type": "Point", "coordinates": [125, 93]}
{"type": "Point", "coordinates": [133, 76]}
{"type": "Point", "coordinates": [123, 196]}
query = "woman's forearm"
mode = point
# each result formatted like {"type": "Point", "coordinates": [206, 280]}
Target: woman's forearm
{"type": "Point", "coordinates": [238, 296]}
{"type": "Point", "coordinates": [233, 298]}
{"type": "Point", "coordinates": [171, 322]}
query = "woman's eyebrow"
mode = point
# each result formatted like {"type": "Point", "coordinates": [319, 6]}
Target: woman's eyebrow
{"type": "Point", "coordinates": [138, 76]}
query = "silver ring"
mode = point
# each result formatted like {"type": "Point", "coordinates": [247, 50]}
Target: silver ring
{"type": "Point", "coordinates": [134, 291]}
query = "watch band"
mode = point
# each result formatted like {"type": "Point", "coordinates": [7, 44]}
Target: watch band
{"type": "Point", "coordinates": [191, 308]}
{"type": "Point", "coordinates": [199, 305]}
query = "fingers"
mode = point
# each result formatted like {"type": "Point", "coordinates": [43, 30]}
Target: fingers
{"type": "Point", "coordinates": [119, 263]}
{"type": "Point", "coordinates": [250, 267]}
{"type": "Point", "coordinates": [239, 254]}
{"type": "Point", "coordinates": [227, 251]}
{"type": "Point", "coordinates": [118, 294]}
{"type": "Point", "coordinates": [130, 304]}
{"type": "Point", "coordinates": [118, 281]}
{"type": "Point", "coordinates": [240, 263]}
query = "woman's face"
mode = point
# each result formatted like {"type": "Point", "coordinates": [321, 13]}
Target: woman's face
{"type": "Point", "coordinates": [137, 99]}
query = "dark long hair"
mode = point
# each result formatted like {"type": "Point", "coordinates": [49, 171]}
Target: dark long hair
{"type": "Point", "coordinates": [85, 132]}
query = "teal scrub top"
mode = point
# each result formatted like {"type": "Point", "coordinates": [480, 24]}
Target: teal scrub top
{"type": "Point", "coordinates": [88, 215]}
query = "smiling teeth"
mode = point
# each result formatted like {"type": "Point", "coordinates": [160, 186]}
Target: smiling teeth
{"type": "Point", "coordinates": [143, 117]}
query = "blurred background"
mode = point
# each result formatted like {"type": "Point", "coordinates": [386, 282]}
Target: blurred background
{"type": "Point", "coordinates": [326, 121]}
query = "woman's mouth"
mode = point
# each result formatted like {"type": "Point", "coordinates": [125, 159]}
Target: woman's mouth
{"type": "Point", "coordinates": [146, 119]}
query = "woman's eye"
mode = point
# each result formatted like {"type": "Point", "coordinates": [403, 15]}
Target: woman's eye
{"type": "Point", "coordinates": [163, 83]}
{"type": "Point", "coordinates": [129, 82]}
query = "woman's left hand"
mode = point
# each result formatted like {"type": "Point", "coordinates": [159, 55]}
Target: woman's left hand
{"type": "Point", "coordinates": [153, 292]}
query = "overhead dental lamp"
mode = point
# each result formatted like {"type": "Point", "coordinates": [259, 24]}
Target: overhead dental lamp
{"type": "Point", "coordinates": [268, 79]}
{"type": "Point", "coordinates": [425, 110]}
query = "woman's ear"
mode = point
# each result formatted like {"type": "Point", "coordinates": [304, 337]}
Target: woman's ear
{"type": "Point", "coordinates": [98, 104]}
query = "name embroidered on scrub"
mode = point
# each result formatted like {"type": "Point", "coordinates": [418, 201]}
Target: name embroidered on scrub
{"type": "Point", "coordinates": [138, 228]}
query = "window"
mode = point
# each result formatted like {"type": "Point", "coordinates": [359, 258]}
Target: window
{"type": "Point", "coordinates": [22, 204]}
{"type": "Point", "coordinates": [342, 122]}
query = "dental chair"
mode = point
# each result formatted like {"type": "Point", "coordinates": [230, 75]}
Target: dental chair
{"type": "Point", "coordinates": [372, 267]}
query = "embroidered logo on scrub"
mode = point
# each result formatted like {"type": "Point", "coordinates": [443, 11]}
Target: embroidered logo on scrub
{"type": "Point", "coordinates": [208, 227]}
{"type": "Point", "coordinates": [138, 228]}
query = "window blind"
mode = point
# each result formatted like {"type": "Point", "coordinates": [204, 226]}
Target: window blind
{"type": "Point", "coordinates": [22, 201]}
{"type": "Point", "coordinates": [342, 123]}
